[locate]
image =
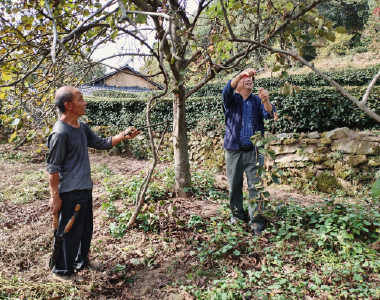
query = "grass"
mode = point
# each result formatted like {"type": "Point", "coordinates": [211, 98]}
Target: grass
{"type": "Point", "coordinates": [325, 251]}
{"type": "Point", "coordinates": [304, 253]}
{"type": "Point", "coordinates": [19, 288]}
{"type": "Point", "coordinates": [25, 187]}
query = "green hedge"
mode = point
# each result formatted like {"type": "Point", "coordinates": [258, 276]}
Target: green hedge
{"type": "Point", "coordinates": [355, 77]}
{"type": "Point", "coordinates": [321, 109]}
{"type": "Point", "coordinates": [113, 94]}
{"type": "Point", "coordinates": [121, 94]}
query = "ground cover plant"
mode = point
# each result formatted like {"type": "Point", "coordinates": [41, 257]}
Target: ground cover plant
{"type": "Point", "coordinates": [186, 248]}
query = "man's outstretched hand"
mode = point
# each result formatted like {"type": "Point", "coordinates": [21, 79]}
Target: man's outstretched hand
{"type": "Point", "coordinates": [132, 133]}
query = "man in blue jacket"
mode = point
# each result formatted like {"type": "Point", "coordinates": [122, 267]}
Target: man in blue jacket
{"type": "Point", "coordinates": [244, 115]}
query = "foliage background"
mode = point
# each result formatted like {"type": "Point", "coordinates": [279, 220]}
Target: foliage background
{"type": "Point", "coordinates": [316, 107]}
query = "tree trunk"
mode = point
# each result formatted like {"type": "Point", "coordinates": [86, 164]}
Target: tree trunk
{"type": "Point", "coordinates": [180, 145]}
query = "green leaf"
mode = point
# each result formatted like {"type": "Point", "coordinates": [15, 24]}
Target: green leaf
{"type": "Point", "coordinates": [276, 179]}
{"type": "Point", "coordinates": [311, 30]}
{"type": "Point", "coordinates": [330, 36]}
{"type": "Point", "coordinates": [328, 24]}
{"type": "Point", "coordinates": [141, 19]}
{"type": "Point", "coordinates": [290, 6]}
{"type": "Point", "coordinates": [299, 44]}
{"type": "Point", "coordinates": [375, 190]}
{"type": "Point", "coordinates": [266, 194]}
{"type": "Point", "coordinates": [261, 171]}
{"type": "Point", "coordinates": [272, 154]}
{"type": "Point", "coordinates": [263, 151]}
{"type": "Point", "coordinates": [340, 30]}
{"type": "Point", "coordinates": [113, 34]}
{"type": "Point", "coordinates": [358, 277]}
{"type": "Point", "coordinates": [276, 68]}
{"type": "Point", "coordinates": [15, 122]}
{"type": "Point", "coordinates": [215, 38]}
{"type": "Point", "coordinates": [236, 5]}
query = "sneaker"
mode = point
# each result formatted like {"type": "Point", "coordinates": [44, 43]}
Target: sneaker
{"type": "Point", "coordinates": [67, 278]}
{"type": "Point", "coordinates": [95, 266]}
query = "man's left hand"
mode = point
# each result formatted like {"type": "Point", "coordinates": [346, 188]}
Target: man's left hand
{"type": "Point", "coordinates": [263, 94]}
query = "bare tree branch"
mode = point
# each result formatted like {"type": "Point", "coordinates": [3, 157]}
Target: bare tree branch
{"type": "Point", "coordinates": [226, 19]}
{"type": "Point", "coordinates": [157, 14]}
{"type": "Point", "coordinates": [55, 35]}
{"type": "Point", "coordinates": [109, 3]}
{"type": "Point", "coordinates": [126, 54]}
{"type": "Point", "coordinates": [370, 87]}
{"type": "Point", "coordinates": [124, 15]}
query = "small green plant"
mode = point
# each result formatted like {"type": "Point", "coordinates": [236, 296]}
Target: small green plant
{"type": "Point", "coordinates": [195, 221]}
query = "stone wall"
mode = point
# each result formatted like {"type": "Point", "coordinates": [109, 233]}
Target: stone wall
{"type": "Point", "coordinates": [336, 160]}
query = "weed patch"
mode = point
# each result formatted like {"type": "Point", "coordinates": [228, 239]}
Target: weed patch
{"type": "Point", "coordinates": [28, 186]}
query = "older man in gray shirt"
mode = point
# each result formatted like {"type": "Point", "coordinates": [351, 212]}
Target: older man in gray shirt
{"type": "Point", "coordinates": [70, 179]}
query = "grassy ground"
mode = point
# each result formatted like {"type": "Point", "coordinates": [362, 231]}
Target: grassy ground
{"type": "Point", "coordinates": [185, 248]}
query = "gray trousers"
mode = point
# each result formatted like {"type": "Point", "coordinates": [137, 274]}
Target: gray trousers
{"type": "Point", "coordinates": [238, 163]}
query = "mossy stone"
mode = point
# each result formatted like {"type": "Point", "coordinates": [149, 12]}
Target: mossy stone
{"type": "Point", "coordinates": [325, 142]}
{"type": "Point", "coordinates": [342, 170]}
{"type": "Point", "coordinates": [290, 141]}
{"type": "Point", "coordinates": [373, 163]}
{"type": "Point", "coordinates": [328, 164]}
{"type": "Point", "coordinates": [320, 159]}
{"type": "Point", "coordinates": [355, 160]}
{"type": "Point", "coordinates": [327, 183]}
{"type": "Point", "coordinates": [309, 141]}
{"type": "Point", "coordinates": [321, 150]}
{"type": "Point", "coordinates": [307, 174]}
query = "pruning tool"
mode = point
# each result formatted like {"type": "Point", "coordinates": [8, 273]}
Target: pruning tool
{"type": "Point", "coordinates": [144, 127]}
{"type": "Point", "coordinates": [257, 71]}
{"type": "Point", "coordinates": [58, 239]}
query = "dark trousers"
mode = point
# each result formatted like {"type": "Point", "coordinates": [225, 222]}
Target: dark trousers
{"type": "Point", "coordinates": [73, 253]}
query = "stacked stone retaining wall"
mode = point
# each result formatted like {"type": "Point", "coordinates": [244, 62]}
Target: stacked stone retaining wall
{"type": "Point", "coordinates": [338, 160]}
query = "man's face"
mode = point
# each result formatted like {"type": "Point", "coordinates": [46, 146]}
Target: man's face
{"type": "Point", "coordinates": [245, 84]}
{"type": "Point", "coordinates": [78, 105]}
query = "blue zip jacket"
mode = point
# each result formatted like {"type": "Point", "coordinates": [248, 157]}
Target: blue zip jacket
{"type": "Point", "coordinates": [233, 112]}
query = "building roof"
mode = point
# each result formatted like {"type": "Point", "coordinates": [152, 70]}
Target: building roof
{"type": "Point", "coordinates": [125, 67]}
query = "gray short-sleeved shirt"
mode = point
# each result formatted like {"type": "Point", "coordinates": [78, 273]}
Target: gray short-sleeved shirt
{"type": "Point", "coordinates": [69, 154]}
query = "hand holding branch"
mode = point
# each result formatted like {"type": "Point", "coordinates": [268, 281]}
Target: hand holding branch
{"type": "Point", "coordinates": [248, 73]}
{"type": "Point", "coordinates": [130, 133]}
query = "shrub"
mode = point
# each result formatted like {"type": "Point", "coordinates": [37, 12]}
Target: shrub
{"type": "Point", "coordinates": [339, 47]}
{"type": "Point", "coordinates": [319, 108]}
{"type": "Point", "coordinates": [113, 94]}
